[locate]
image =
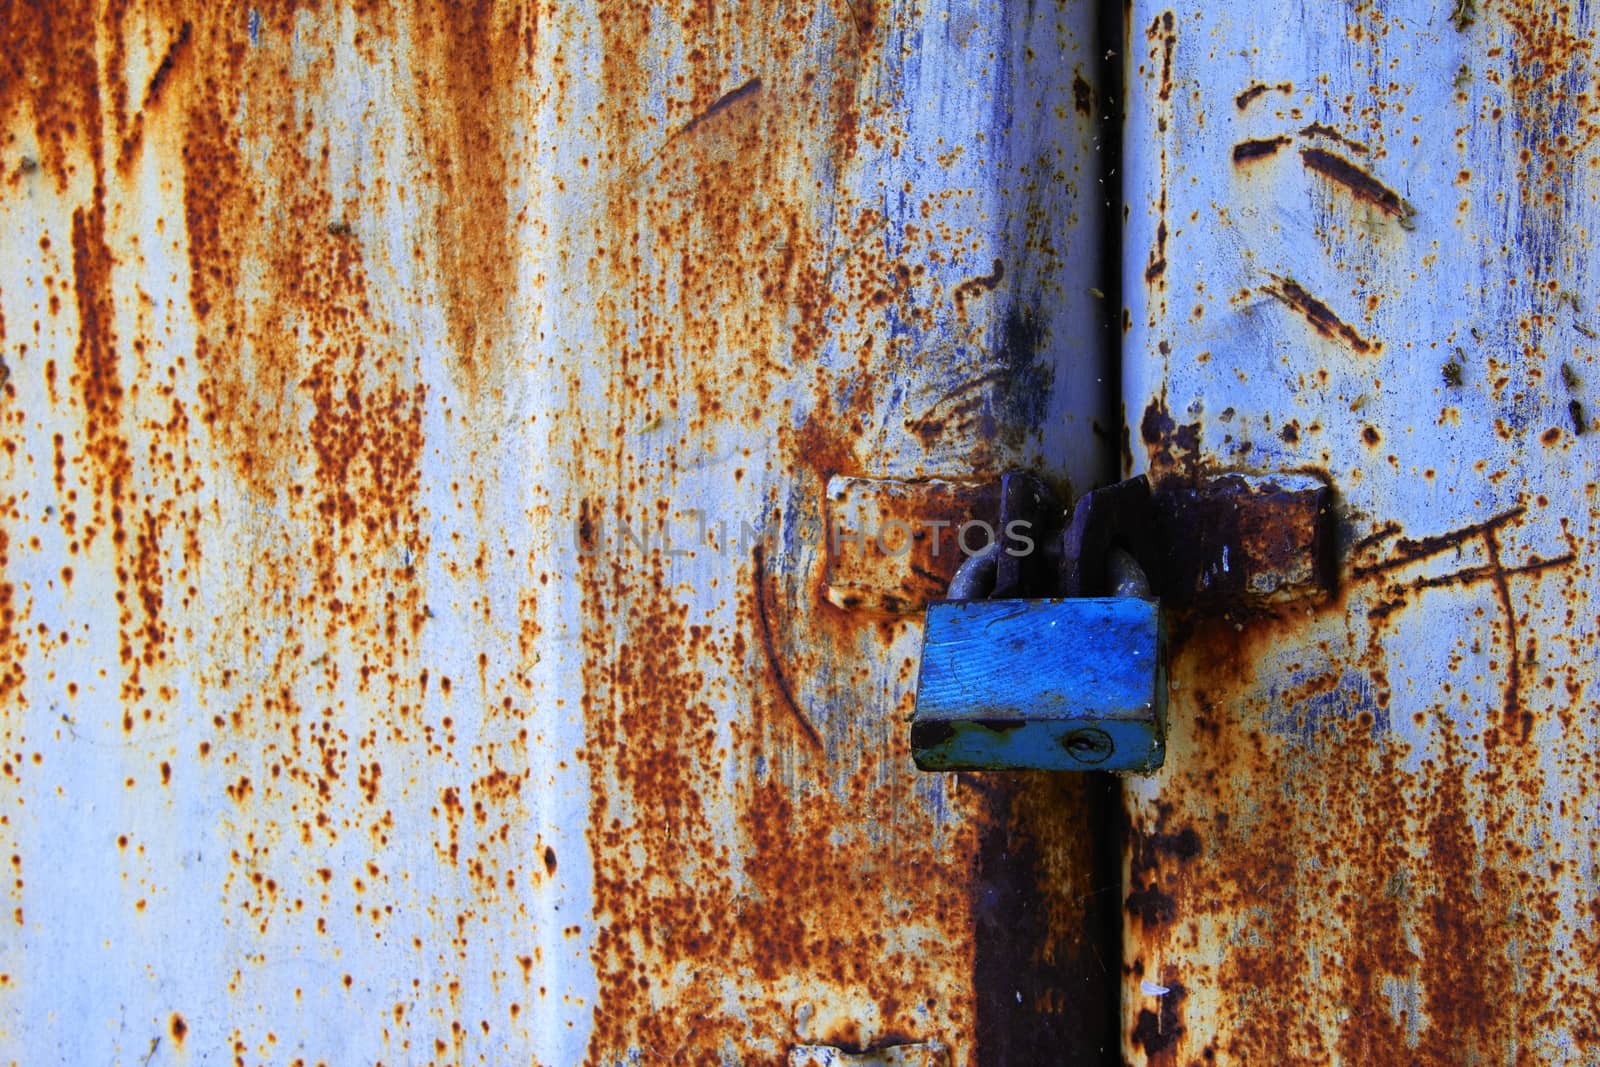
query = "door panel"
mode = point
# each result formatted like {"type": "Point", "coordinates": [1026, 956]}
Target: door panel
{"type": "Point", "coordinates": [1359, 247]}
{"type": "Point", "coordinates": [418, 425]}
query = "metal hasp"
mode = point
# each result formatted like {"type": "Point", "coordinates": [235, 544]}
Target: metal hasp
{"type": "Point", "coordinates": [1065, 669]}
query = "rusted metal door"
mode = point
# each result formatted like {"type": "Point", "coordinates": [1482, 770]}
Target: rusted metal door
{"type": "Point", "coordinates": [1360, 246]}
{"type": "Point", "coordinates": [418, 419]}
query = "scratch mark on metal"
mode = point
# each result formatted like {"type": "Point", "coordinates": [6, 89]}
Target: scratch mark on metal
{"type": "Point", "coordinates": [721, 104]}
{"type": "Point", "coordinates": [758, 560]}
{"type": "Point", "coordinates": [1318, 314]}
{"type": "Point", "coordinates": [1409, 550]}
{"type": "Point", "coordinates": [1319, 129]}
{"type": "Point", "coordinates": [1494, 571]}
{"type": "Point", "coordinates": [1361, 185]}
{"type": "Point", "coordinates": [1246, 98]}
{"type": "Point", "coordinates": [1246, 151]}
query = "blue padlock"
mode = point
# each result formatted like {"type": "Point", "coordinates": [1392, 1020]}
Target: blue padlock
{"type": "Point", "coordinates": [1063, 683]}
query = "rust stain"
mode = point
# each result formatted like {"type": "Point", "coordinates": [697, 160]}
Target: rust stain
{"type": "Point", "coordinates": [1249, 151]}
{"type": "Point", "coordinates": [714, 185]}
{"type": "Point", "coordinates": [892, 545]}
{"type": "Point", "coordinates": [1516, 717]}
{"type": "Point", "coordinates": [722, 264]}
{"type": "Point", "coordinates": [134, 138]}
{"type": "Point", "coordinates": [96, 373]}
{"type": "Point", "coordinates": [1171, 447]}
{"type": "Point", "coordinates": [1158, 254]}
{"type": "Point", "coordinates": [1444, 676]}
{"type": "Point", "coordinates": [957, 411]}
{"type": "Point", "coordinates": [1164, 28]}
{"type": "Point", "coordinates": [1259, 860]}
{"type": "Point", "coordinates": [135, 537]}
{"type": "Point", "coordinates": [471, 55]}
{"type": "Point", "coordinates": [1357, 182]}
{"type": "Point", "coordinates": [152, 94]}
{"type": "Point", "coordinates": [1082, 96]}
{"type": "Point", "coordinates": [49, 71]}
{"type": "Point", "coordinates": [748, 91]}
{"type": "Point", "coordinates": [12, 676]}
{"type": "Point", "coordinates": [1158, 1032]}
{"type": "Point", "coordinates": [1162, 32]}
{"type": "Point", "coordinates": [983, 283]}
{"type": "Point", "coordinates": [1319, 315]}
{"type": "Point", "coordinates": [1319, 129]}
{"type": "Point", "coordinates": [1258, 90]}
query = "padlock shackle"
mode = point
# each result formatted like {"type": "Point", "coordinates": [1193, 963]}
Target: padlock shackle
{"type": "Point", "coordinates": [975, 578]}
{"type": "Point", "coordinates": [1115, 516]}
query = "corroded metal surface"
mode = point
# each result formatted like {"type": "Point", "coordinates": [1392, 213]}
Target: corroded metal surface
{"type": "Point", "coordinates": [1233, 543]}
{"type": "Point", "coordinates": [1360, 246]}
{"type": "Point", "coordinates": [893, 545]}
{"type": "Point", "coordinates": [371, 691]}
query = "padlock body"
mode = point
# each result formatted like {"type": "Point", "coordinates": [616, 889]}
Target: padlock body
{"type": "Point", "coordinates": [1075, 684]}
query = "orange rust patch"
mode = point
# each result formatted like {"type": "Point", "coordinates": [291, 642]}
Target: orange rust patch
{"type": "Point", "coordinates": [134, 138]}
{"type": "Point", "coordinates": [471, 56]}
{"type": "Point", "coordinates": [48, 69]}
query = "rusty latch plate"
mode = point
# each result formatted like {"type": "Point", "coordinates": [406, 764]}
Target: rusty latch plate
{"type": "Point", "coordinates": [1239, 540]}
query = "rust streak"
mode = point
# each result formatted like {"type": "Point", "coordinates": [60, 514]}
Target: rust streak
{"type": "Point", "coordinates": [1492, 572]}
{"type": "Point", "coordinates": [1319, 129]}
{"type": "Point", "coordinates": [1376, 537]}
{"type": "Point", "coordinates": [1361, 185]}
{"type": "Point", "coordinates": [983, 283]}
{"type": "Point", "coordinates": [931, 417]}
{"type": "Point", "coordinates": [1158, 254]}
{"type": "Point", "coordinates": [1514, 710]}
{"type": "Point", "coordinates": [758, 560]}
{"type": "Point", "coordinates": [152, 95]}
{"type": "Point", "coordinates": [1318, 314]}
{"type": "Point", "coordinates": [158, 81]}
{"type": "Point", "coordinates": [1082, 96]}
{"type": "Point", "coordinates": [1167, 24]}
{"type": "Point", "coordinates": [1409, 550]}
{"type": "Point", "coordinates": [1259, 89]}
{"type": "Point", "coordinates": [1259, 148]}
